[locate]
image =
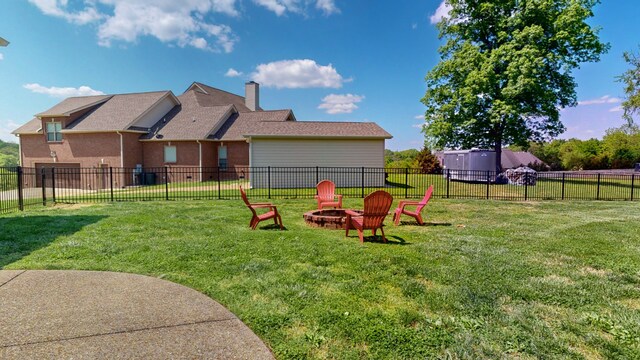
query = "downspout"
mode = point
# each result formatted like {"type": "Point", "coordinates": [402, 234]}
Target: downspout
{"type": "Point", "coordinates": [20, 162]}
{"type": "Point", "coordinates": [121, 150]}
{"type": "Point", "coordinates": [250, 162]}
{"type": "Point", "coordinates": [200, 158]}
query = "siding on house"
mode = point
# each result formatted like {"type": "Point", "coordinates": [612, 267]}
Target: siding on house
{"type": "Point", "coordinates": [337, 153]}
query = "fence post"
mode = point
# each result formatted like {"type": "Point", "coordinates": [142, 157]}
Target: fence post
{"type": "Point", "coordinates": [317, 176]}
{"type": "Point", "coordinates": [53, 184]}
{"type": "Point", "coordinates": [598, 191]}
{"type": "Point", "coordinates": [362, 183]}
{"type": "Point", "coordinates": [563, 185]}
{"type": "Point", "coordinates": [526, 186]}
{"type": "Point", "coordinates": [633, 178]}
{"type": "Point", "coordinates": [488, 184]}
{"type": "Point", "coordinates": [166, 183]}
{"type": "Point", "coordinates": [43, 179]}
{"type": "Point", "coordinates": [111, 181]}
{"type": "Point", "coordinates": [19, 174]}
{"type": "Point", "coordinates": [219, 189]}
{"type": "Point", "coordinates": [406, 183]}
{"type": "Point", "coordinates": [448, 180]}
{"type": "Point", "coordinates": [269, 182]}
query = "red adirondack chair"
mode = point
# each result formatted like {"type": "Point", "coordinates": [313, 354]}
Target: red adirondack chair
{"type": "Point", "coordinates": [376, 208]}
{"type": "Point", "coordinates": [271, 214]}
{"type": "Point", "coordinates": [327, 195]}
{"type": "Point", "coordinates": [418, 204]}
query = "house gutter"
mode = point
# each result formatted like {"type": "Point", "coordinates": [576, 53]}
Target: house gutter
{"type": "Point", "coordinates": [121, 150]}
{"type": "Point", "coordinates": [200, 158]}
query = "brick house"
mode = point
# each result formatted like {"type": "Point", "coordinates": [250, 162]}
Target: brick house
{"type": "Point", "coordinates": [202, 128]}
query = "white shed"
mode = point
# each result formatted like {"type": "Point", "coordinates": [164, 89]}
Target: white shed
{"type": "Point", "coordinates": [346, 153]}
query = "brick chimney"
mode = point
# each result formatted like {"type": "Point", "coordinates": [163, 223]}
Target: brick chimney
{"type": "Point", "coordinates": [252, 95]}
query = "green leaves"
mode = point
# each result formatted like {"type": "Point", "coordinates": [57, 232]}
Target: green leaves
{"type": "Point", "coordinates": [505, 70]}
{"type": "Point", "coordinates": [631, 81]}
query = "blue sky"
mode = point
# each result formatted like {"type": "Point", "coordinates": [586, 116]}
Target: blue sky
{"type": "Point", "coordinates": [330, 60]}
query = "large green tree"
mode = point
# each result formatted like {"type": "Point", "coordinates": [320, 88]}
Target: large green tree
{"type": "Point", "coordinates": [505, 71]}
{"type": "Point", "coordinates": [631, 81]}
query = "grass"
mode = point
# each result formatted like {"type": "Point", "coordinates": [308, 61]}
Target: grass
{"type": "Point", "coordinates": [485, 279]}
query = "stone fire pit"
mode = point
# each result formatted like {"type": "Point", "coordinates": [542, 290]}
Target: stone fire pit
{"type": "Point", "coordinates": [328, 219]}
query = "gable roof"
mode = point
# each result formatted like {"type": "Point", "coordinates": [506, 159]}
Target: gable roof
{"type": "Point", "coordinates": [514, 159]}
{"type": "Point", "coordinates": [72, 105]}
{"type": "Point", "coordinates": [317, 129]}
{"type": "Point", "coordinates": [209, 96]}
{"type": "Point", "coordinates": [119, 113]}
{"type": "Point", "coordinates": [33, 126]}
{"type": "Point", "coordinates": [200, 113]}
{"type": "Point", "coordinates": [190, 120]}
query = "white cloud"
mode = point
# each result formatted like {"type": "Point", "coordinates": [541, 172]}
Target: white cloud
{"type": "Point", "coordinates": [281, 7]}
{"type": "Point", "coordinates": [327, 6]}
{"type": "Point", "coordinates": [62, 92]}
{"type": "Point", "coordinates": [616, 109]}
{"type": "Point", "coordinates": [340, 104]}
{"type": "Point", "coordinates": [607, 99]}
{"type": "Point", "coordinates": [296, 74]}
{"type": "Point", "coordinates": [1, 56]}
{"type": "Point", "coordinates": [274, 5]}
{"type": "Point", "coordinates": [233, 73]}
{"type": "Point", "coordinates": [419, 117]}
{"type": "Point", "coordinates": [441, 12]}
{"type": "Point", "coordinates": [58, 8]}
{"type": "Point", "coordinates": [177, 22]}
{"type": "Point", "coordinates": [6, 127]}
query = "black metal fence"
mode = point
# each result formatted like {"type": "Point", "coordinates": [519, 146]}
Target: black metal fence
{"type": "Point", "coordinates": [22, 187]}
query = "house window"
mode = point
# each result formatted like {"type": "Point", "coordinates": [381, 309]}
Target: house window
{"type": "Point", "coordinates": [54, 131]}
{"type": "Point", "coordinates": [222, 157]}
{"type": "Point", "coordinates": [170, 155]}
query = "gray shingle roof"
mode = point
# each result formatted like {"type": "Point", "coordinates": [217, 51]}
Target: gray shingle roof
{"type": "Point", "coordinates": [243, 123]}
{"type": "Point", "coordinates": [118, 113]}
{"type": "Point", "coordinates": [190, 120]}
{"type": "Point", "coordinates": [74, 104]}
{"type": "Point", "coordinates": [311, 129]}
{"type": "Point", "coordinates": [217, 97]}
{"type": "Point", "coordinates": [31, 127]}
{"type": "Point", "coordinates": [514, 159]}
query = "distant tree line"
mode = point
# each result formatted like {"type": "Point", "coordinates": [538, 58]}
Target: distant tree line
{"type": "Point", "coordinates": [618, 149]}
{"type": "Point", "coordinates": [8, 154]}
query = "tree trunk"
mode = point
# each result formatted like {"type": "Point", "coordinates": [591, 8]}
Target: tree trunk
{"type": "Point", "coordinates": [498, 150]}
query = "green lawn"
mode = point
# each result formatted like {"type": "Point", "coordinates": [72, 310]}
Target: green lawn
{"type": "Point", "coordinates": [485, 279]}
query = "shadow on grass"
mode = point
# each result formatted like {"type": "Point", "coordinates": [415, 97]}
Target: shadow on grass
{"type": "Point", "coordinates": [23, 235]}
{"type": "Point", "coordinates": [391, 240]}
{"type": "Point", "coordinates": [272, 227]}
{"type": "Point", "coordinates": [398, 185]}
{"type": "Point", "coordinates": [415, 223]}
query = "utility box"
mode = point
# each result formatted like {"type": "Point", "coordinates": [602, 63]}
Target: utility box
{"type": "Point", "coordinates": [470, 165]}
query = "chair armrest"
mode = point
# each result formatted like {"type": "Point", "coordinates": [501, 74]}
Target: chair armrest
{"type": "Point", "coordinates": [402, 204]}
{"type": "Point", "coordinates": [263, 205]}
{"type": "Point", "coordinates": [352, 213]}
{"type": "Point", "coordinates": [339, 197]}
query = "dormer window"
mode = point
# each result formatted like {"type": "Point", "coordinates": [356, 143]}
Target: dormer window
{"type": "Point", "coordinates": [54, 133]}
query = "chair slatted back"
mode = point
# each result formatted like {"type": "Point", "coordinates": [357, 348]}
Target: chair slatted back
{"type": "Point", "coordinates": [376, 208]}
{"type": "Point", "coordinates": [246, 201]}
{"type": "Point", "coordinates": [326, 190]}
